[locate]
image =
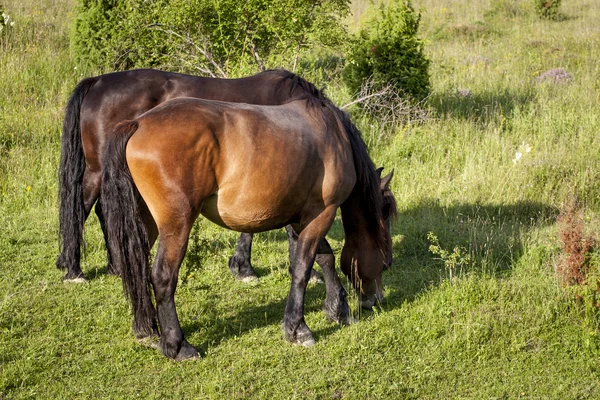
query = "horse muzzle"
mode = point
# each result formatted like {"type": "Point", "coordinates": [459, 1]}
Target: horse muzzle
{"type": "Point", "coordinates": [367, 302]}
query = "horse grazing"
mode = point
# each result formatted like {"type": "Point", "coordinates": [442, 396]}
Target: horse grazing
{"type": "Point", "coordinates": [99, 103]}
{"type": "Point", "coordinates": [248, 168]}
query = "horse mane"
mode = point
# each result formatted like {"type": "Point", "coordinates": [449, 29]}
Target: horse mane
{"type": "Point", "coordinates": [367, 186]}
{"type": "Point", "coordinates": [298, 88]}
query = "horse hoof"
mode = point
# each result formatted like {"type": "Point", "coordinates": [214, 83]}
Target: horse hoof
{"type": "Point", "coordinates": [340, 319]}
{"type": "Point", "coordinates": [187, 352]}
{"type": "Point", "coordinates": [301, 337]}
{"type": "Point", "coordinates": [242, 270]}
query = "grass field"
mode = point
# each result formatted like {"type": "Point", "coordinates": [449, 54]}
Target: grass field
{"type": "Point", "coordinates": [502, 327]}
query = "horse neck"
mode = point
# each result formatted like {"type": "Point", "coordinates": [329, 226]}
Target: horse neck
{"type": "Point", "coordinates": [354, 219]}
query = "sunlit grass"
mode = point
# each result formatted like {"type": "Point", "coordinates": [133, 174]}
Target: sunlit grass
{"type": "Point", "coordinates": [501, 328]}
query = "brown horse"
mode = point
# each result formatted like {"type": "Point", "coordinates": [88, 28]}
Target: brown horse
{"type": "Point", "coordinates": [98, 104]}
{"type": "Point", "coordinates": [248, 168]}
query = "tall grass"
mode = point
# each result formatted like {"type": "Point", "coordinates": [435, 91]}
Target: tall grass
{"type": "Point", "coordinates": [503, 327]}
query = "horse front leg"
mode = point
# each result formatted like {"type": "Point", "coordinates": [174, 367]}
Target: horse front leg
{"type": "Point", "coordinates": [292, 244]}
{"type": "Point", "coordinates": [294, 327]}
{"type": "Point", "coordinates": [335, 305]}
{"type": "Point", "coordinates": [239, 263]}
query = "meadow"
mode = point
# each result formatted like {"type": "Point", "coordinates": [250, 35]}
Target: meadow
{"type": "Point", "coordinates": [510, 139]}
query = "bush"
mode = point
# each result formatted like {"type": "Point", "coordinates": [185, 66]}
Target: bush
{"type": "Point", "coordinates": [210, 37]}
{"type": "Point", "coordinates": [388, 50]}
{"type": "Point", "coordinates": [548, 8]}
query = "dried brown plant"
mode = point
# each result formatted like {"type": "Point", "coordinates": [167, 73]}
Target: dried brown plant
{"type": "Point", "coordinates": [574, 266]}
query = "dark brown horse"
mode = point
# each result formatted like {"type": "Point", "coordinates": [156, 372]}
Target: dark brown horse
{"type": "Point", "coordinates": [98, 104]}
{"type": "Point", "coordinates": [248, 168]}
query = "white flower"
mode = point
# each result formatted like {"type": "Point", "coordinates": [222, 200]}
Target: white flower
{"type": "Point", "coordinates": [6, 18]}
{"type": "Point", "coordinates": [518, 156]}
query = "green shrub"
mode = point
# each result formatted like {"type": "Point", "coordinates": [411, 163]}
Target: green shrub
{"type": "Point", "coordinates": [388, 50]}
{"type": "Point", "coordinates": [548, 8]}
{"type": "Point", "coordinates": [210, 37]}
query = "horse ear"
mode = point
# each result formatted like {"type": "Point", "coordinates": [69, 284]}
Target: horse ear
{"type": "Point", "coordinates": [385, 181]}
{"type": "Point", "coordinates": [379, 170]}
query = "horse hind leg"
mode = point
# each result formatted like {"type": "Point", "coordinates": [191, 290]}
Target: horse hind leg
{"type": "Point", "coordinates": [239, 263]}
{"type": "Point", "coordinates": [111, 269]}
{"type": "Point", "coordinates": [165, 271]}
{"type": "Point", "coordinates": [70, 257]}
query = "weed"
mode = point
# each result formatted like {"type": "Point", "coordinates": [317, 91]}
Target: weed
{"type": "Point", "coordinates": [578, 265]}
{"type": "Point", "coordinates": [459, 258]}
{"type": "Point", "coordinates": [574, 267]}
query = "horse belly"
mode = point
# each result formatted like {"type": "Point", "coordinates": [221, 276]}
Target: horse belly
{"type": "Point", "coordinates": [243, 219]}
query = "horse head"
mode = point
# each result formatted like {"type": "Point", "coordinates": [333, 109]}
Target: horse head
{"type": "Point", "coordinates": [367, 254]}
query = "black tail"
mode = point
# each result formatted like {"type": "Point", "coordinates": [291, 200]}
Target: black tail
{"type": "Point", "coordinates": [70, 179]}
{"type": "Point", "coordinates": [127, 234]}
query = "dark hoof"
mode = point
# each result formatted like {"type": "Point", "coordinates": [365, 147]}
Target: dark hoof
{"type": "Point", "coordinates": [187, 352]}
{"type": "Point", "coordinates": [341, 315]}
{"type": "Point", "coordinates": [242, 270]}
{"type": "Point", "coordinates": [302, 336]}
{"type": "Point", "coordinates": [315, 277]}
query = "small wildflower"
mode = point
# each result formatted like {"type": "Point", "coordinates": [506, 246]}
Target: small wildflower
{"type": "Point", "coordinates": [524, 148]}
{"type": "Point", "coordinates": [28, 188]}
{"type": "Point", "coordinates": [518, 156]}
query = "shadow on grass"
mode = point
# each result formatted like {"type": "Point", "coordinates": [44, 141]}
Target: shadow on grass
{"type": "Point", "coordinates": [493, 236]}
{"type": "Point", "coordinates": [215, 327]}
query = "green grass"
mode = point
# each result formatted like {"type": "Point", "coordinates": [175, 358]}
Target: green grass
{"type": "Point", "coordinates": [502, 328]}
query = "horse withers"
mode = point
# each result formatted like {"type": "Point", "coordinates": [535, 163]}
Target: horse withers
{"type": "Point", "coordinates": [248, 168]}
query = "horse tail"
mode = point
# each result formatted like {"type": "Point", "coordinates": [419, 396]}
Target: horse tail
{"type": "Point", "coordinates": [128, 242]}
{"type": "Point", "coordinates": [70, 177]}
